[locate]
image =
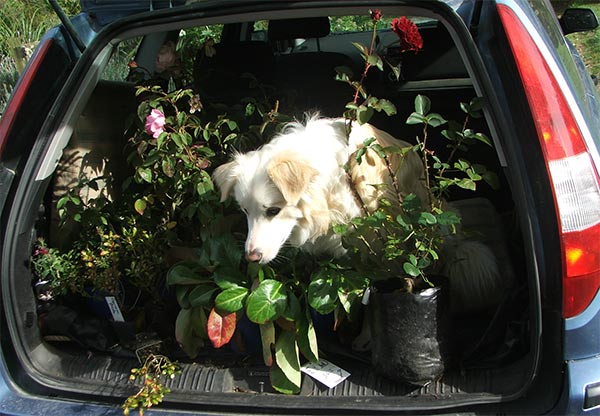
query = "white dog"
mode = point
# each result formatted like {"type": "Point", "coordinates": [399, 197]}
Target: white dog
{"type": "Point", "coordinates": [294, 188]}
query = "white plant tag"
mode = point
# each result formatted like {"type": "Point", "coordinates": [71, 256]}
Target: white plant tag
{"type": "Point", "coordinates": [115, 311]}
{"type": "Point", "coordinates": [327, 373]}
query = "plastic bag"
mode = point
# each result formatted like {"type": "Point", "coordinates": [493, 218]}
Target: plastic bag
{"type": "Point", "coordinates": [409, 330]}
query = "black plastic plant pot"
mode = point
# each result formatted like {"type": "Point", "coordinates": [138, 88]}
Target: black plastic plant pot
{"type": "Point", "coordinates": [410, 335]}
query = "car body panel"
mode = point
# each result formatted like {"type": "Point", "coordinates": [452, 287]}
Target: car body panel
{"type": "Point", "coordinates": [571, 365]}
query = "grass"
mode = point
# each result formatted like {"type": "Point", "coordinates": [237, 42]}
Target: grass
{"type": "Point", "coordinates": [22, 24]}
{"type": "Point", "coordinates": [588, 44]}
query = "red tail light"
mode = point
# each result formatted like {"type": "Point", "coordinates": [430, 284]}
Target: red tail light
{"type": "Point", "coordinates": [575, 181]}
{"type": "Point", "coordinates": [12, 109]}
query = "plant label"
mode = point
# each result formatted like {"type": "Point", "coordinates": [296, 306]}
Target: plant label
{"type": "Point", "coordinates": [327, 373]}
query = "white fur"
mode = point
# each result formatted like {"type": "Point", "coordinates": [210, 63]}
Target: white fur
{"type": "Point", "coordinates": [300, 172]}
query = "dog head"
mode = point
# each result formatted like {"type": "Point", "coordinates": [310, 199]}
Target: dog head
{"type": "Point", "coordinates": [269, 188]}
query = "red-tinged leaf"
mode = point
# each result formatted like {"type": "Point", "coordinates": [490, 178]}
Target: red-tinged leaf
{"type": "Point", "coordinates": [220, 328]}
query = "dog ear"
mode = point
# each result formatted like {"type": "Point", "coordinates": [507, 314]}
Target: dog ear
{"type": "Point", "coordinates": [225, 177]}
{"type": "Point", "coordinates": [291, 175]}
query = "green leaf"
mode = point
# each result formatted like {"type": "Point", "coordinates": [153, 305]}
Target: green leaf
{"type": "Point", "coordinates": [491, 179]}
{"type": "Point", "coordinates": [145, 174]}
{"type": "Point", "coordinates": [288, 360]}
{"type": "Point", "coordinates": [201, 295]}
{"type": "Point", "coordinates": [340, 229]}
{"type": "Point", "coordinates": [375, 60]}
{"type": "Point", "coordinates": [422, 105]}
{"type": "Point", "coordinates": [267, 336]}
{"type": "Point", "coordinates": [184, 333]}
{"type": "Point", "coordinates": [387, 106]}
{"type": "Point", "coordinates": [435, 120]}
{"type": "Point", "coordinates": [416, 118]}
{"type": "Point", "coordinates": [448, 218]}
{"type": "Point", "coordinates": [280, 381]}
{"type": "Point", "coordinates": [364, 51]}
{"type": "Point", "coordinates": [364, 114]}
{"type": "Point", "coordinates": [177, 139]}
{"type": "Point", "coordinates": [344, 73]}
{"type": "Point", "coordinates": [267, 302]}
{"type": "Point", "coordinates": [229, 277]}
{"type": "Point", "coordinates": [411, 269]}
{"type": "Point", "coordinates": [168, 167]}
{"type": "Point", "coordinates": [140, 206]}
{"type": "Point", "coordinates": [231, 300]}
{"type": "Point", "coordinates": [292, 310]}
{"type": "Point", "coordinates": [181, 293]}
{"type": "Point", "coordinates": [322, 292]}
{"type": "Point", "coordinates": [482, 138]}
{"type": "Point", "coordinates": [181, 274]}
{"type": "Point", "coordinates": [307, 337]}
{"type": "Point", "coordinates": [467, 183]}
{"type": "Point", "coordinates": [427, 218]}
{"type": "Point", "coordinates": [204, 186]}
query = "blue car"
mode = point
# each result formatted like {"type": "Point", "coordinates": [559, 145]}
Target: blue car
{"type": "Point", "coordinates": [123, 280]}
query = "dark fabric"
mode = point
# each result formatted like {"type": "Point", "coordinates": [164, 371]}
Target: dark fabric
{"type": "Point", "coordinates": [301, 28]}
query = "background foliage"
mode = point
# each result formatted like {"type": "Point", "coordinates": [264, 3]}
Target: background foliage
{"type": "Point", "coordinates": [23, 22]}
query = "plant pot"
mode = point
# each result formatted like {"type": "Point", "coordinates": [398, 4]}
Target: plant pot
{"type": "Point", "coordinates": [410, 334]}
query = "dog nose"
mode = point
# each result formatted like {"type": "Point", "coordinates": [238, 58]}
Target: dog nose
{"type": "Point", "coordinates": [254, 256]}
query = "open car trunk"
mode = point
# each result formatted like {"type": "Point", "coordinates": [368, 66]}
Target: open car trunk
{"type": "Point", "coordinates": [67, 342]}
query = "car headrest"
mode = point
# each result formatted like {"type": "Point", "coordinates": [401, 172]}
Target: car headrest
{"type": "Point", "coordinates": [300, 28]}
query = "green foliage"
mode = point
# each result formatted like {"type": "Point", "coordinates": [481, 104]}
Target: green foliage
{"type": "Point", "coordinates": [169, 201]}
{"type": "Point", "coordinates": [152, 375]}
{"type": "Point", "coordinates": [588, 43]}
{"type": "Point", "coordinates": [22, 24]}
{"type": "Point", "coordinates": [404, 237]}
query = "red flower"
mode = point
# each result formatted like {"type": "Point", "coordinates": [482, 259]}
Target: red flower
{"type": "Point", "coordinates": [132, 64]}
{"type": "Point", "coordinates": [375, 15]}
{"type": "Point", "coordinates": [408, 32]}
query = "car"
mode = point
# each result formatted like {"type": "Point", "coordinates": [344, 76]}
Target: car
{"type": "Point", "coordinates": [113, 255]}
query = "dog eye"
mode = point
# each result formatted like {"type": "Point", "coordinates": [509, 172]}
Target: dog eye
{"type": "Point", "coordinates": [272, 211]}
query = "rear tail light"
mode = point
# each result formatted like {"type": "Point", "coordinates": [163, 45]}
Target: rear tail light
{"type": "Point", "coordinates": [576, 184]}
{"type": "Point", "coordinates": [13, 106]}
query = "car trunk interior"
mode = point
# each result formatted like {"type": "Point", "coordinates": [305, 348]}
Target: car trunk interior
{"type": "Point", "coordinates": [66, 343]}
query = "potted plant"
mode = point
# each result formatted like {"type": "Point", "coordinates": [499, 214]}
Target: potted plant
{"type": "Point", "coordinates": [398, 246]}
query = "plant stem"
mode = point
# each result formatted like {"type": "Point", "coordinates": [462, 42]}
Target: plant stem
{"type": "Point", "coordinates": [367, 64]}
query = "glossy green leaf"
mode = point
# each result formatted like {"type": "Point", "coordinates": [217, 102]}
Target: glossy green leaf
{"type": "Point", "coordinates": [140, 206]}
{"type": "Point", "coordinates": [281, 382]}
{"type": "Point", "coordinates": [422, 105]}
{"type": "Point", "coordinates": [411, 269]}
{"type": "Point", "coordinates": [201, 295]}
{"type": "Point", "coordinates": [181, 274]}
{"type": "Point", "coordinates": [184, 333]}
{"type": "Point", "coordinates": [287, 359]}
{"type": "Point", "coordinates": [232, 299]}
{"type": "Point", "coordinates": [307, 337]}
{"type": "Point", "coordinates": [322, 293]}
{"type": "Point", "coordinates": [267, 336]}
{"type": "Point", "coordinates": [267, 302]}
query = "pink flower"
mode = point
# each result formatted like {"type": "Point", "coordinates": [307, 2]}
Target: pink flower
{"type": "Point", "coordinates": [42, 251]}
{"type": "Point", "coordinates": [408, 32]}
{"type": "Point", "coordinates": [155, 122]}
